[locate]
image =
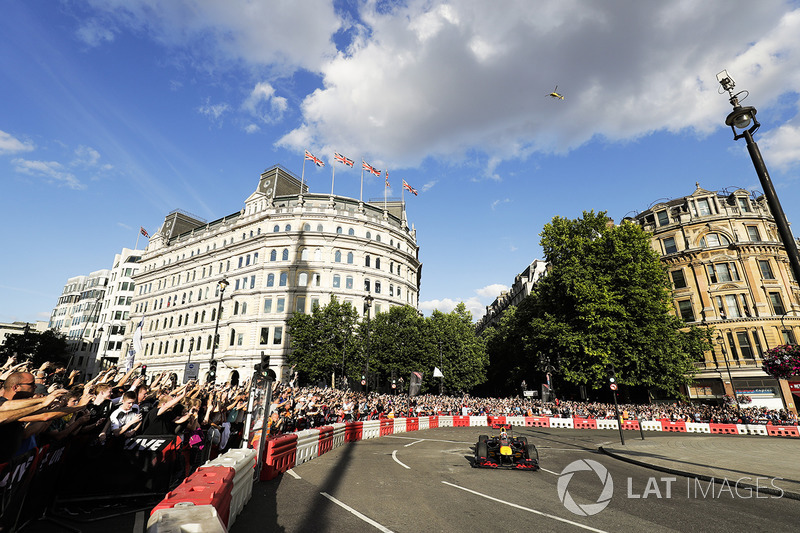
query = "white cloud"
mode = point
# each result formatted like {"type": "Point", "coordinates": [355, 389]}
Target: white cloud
{"type": "Point", "coordinates": [86, 156]}
{"type": "Point", "coordinates": [264, 105]}
{"type": "Point", "coordinates": [475, 304]}
{"type": "Point", "coordinates": [51, 171]}
{"type": "Point", "coordinates": [428, 186]}
{"type": "Point", "coordinates": [11, 145]}
{"type": "Point", "coordinates": [95, 33]}
{"type": "Point", "coordinates": [498, 202]}
{"type": "Point", "coordinates": [491, 291]}
{"type": "Point", "coordinates": [214, 111]}
{"type": "Point", "coordinates": [781, 146]}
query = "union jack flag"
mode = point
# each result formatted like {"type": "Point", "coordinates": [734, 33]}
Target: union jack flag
{"type": "Point", "coordinates": [144, 232]}
{"type": "Point", "coordinates": [387, 178]}
{"type": "Point", "coordinates": [366, 166]}
{"type": "Point", "coordinates": [409, 188]}
{"type": "Point", "coordinates": [311, 157]}
{"type": "Point", "coordinates": [342, 159]}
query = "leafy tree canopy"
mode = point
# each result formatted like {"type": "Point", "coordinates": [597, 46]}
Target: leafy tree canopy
{"type": "Point", "coordinates": [37, 347]}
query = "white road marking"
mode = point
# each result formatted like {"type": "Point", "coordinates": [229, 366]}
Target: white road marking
{"type": "Point", "coordinates": [534, 511]}
{"type": "Point", "coordinates": [427, 440]}
{"type": "Point", "coordinates": [549, 471]}
{"type": "Point", "coordinates": [413, 443]}
{"type": "Point", "coordinates": [356, 513]}
{"type": "Point", "coordinates": [293, 474]}
{"type": "Point", "coordinates": [396, 460]}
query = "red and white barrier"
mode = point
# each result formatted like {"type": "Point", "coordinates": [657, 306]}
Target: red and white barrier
{"type": "Point", "coordinates": [186, 517]}
{"type": "Point", "coordinates": [307, 445]}
{"type": "Point", "coordinates": [243, 462]}
{"type": "Point", "coordinates": [697, 427]}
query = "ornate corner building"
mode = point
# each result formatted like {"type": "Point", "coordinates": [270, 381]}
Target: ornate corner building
{"type": "Point", "coordinates": [286, 251]}
{"type": "Point", "coordinates": [730, 272]}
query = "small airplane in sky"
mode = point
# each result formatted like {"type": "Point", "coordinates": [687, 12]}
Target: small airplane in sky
{"type": "Point", "coordinates": [555, 94]}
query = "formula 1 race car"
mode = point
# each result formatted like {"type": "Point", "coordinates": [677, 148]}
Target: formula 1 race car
{"type": "Point", "coordinates": [505, 451]}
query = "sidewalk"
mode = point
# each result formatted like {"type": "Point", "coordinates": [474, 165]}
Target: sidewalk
{"type": "Point", "coordinates": [730, 457]}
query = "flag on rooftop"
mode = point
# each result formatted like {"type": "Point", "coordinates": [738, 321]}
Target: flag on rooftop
{"type": "Point", "coordinates": [366, 166]}
{"type": "Point", "coordinates": [312, 157]}
{"type": "Point", "coordinates": [387, 178]}
{"type": "Point", "coordinates": [342, 159]}
{"type": "Point", "coordinates": [144, 232]}
{"type": "Point", "coordinates": [410, 189]}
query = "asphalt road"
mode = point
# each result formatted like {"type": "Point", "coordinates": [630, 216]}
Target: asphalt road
{"type": "Point", "coordinates": [424, 481]}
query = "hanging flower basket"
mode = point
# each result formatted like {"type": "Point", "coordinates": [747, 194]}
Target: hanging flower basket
{"type": "Point", "coordinates": [782, 362]}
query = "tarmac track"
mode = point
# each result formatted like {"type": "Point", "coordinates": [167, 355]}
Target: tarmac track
{"type": "Point", "coordinates": [424, 481]}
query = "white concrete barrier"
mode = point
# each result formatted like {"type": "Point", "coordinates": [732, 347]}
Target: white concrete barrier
{"type": "Point", "coordinates": [338, 434]}
{"type": "Point", "coordinates": [516, 421]}
{"type": "Point", "coordinates": [478, 421]}
{"type": "Point", "coordinates": [186, 518]}
{"type": "Point", "coordinates": [697, 427]}
{"type": "Point", "coordinates": [243, 461]}
{"type": "Point", "coordinates": [424, 422]}
{"type": "Point", "coordinates": [370, 429]}
{"type": "Point", "coordinates": [561, 423]}
{"type": "Point", "coordinates": [603, 423]}
{"type": "Point", "coordinates": [307, 446]}
{"type": "Point", "coordinates": [445, 421]}
{"type": "Point", "coordinates": [399, 425]}
{"type": "Point", "coordinates": [756, 429]}
{"type": "Point", "coordinates": [651, 425]}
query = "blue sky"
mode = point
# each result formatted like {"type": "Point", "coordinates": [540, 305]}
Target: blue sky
{"type": "Point", "coordinates": [113, 113]}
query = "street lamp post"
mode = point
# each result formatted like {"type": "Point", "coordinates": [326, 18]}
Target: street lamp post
{"type": "Point", "coordinates": [740, 119]}
{"type": "Point", "coordinates": [790, 337]}
{"type": "Point", "coordinates": [721, 343]}
{"type": "Point", "coordinates": [368, 299]}
{"type": "Point", "coordinates": [441, 364]}
{"type": "Point", "coordinates": [223, 284]}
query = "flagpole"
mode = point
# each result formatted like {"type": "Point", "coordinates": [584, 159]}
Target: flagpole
{"type": "Point", "coordinates": [385, 187]}
{"type": "Point", "coordinates": [302, 175]}
{"type": "Point", "coordinates": [136, 246]}
{"type": "Point", "coordinates": [361, 194]}
{"type": "Point", "coordinates": [333, 177]}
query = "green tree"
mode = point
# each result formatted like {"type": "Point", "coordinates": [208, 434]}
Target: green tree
{"type": "Point", "coordinates": [36, 347]}
{"type": "Point", "coordinates": [606, 301]}
{"type": "Point", "coordinates": [325, 340]}
{"type": "Point", "coordinates": [397, 345]}
{"type": "Point", "coordinates": [464, 361]}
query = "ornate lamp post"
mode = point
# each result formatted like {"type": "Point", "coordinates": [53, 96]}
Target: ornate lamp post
{"type": "Point", "coordinates": [740, 119]}
{"type": "Point", "coordinates": [212, 364]}
{"type": "Point", "coordinates": [721, 343]}
{"type": "Point", "coordinates": [368, 299]}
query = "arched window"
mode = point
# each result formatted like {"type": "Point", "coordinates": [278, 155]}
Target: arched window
{"type": "Point", "coordinates": [336, 281]}
{"type": "Point", "coordinates": [208, 343]}
{"type": "Point", "coordinates": [304, 254]}
{"type": "Point", "coordinates": [317, 255]}
{"type": "Point", "coordinates": [337, 256]}
{"type": "Point", "coordinates": [180, 318]}
{"type": "Point", "coordinates": [288, 227]}
{"type": "Point", "coordinates": [270, 281]}
{"type": "Point", "coordinates": [235, 308]}
{"type": "Point", "coordinates": [319, 227]}
{"type": "Point", "coordinates": [714, 239]}
{"type": "Point", "coordinates": [391, 290]}
{"type": "Point", "coordinates": [284, 278]}
{"type": "Point", "coordinates": [302, 279]}
{"type": "Point", "coordinates": [348, 282]}
{"type": "Point", "coordinates": [369, 235]}
{"type": "Point", "coordinates": [377, 286]}
{"type": "Point", "coordinates": [306, 227]}
{"type": "Point", "coordinates": [351, 231]}
{"type": "Point", "coordinates": [349, 258]}
{"type": "Point", "coordinates": [202, 319]}
{"type": "Point", "coordinates": [366, 261]}
{"type": "Point", "coordinates": [233, 336]}
{"type": "Point", "coordinates": [276, 228]}
{"type": "Point", "coordinates": [378, 263]}
{"type": "Point", "coordinates": [273, 255]}
{"type": "Point", "coordinates": [285, 254]}
{"type": "Point", "coordinates": [378, 237]}
{"type": "Point", "coordinates": [338, 230]}
{"type": "Point", "coordinates": [366, 285]}
{"type": "Point", "coordinates": [196, 316]}
{"type": "Point", "coordinates": [244, 308]}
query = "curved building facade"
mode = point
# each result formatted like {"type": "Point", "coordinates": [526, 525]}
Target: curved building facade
{"type": "Point", "coordinates": [284, 251]}
{"type": "Point", "coordinates": [729, 271]}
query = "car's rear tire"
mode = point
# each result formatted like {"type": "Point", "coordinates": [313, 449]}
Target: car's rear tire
{"type": "Point", "coordinates": [523, 441]}
{"type": "Point", "coordinates": [533, 453]}
{"type": "Point", "coordinates": [483, 438]}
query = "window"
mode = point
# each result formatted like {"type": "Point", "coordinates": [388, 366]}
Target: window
{"type": "Point", "coordinates": [336, 281]}
{"type": "Point", "coordinates": [685, 308]}
{"type": "Point", "coordinates": [304, 254]}
{"type": "Point", "coordinates": [391, 290]}
{"type": "Point", "coordinates": [351, 232]}
{"type": "Point", "coordinates": [233, 336]}
{"type": "Point", "coordinates": [337, 256]}
{"type": "Point", "coordinates": [285, 254]}
{"type": "Point", "coordinates": [663, 218]}
{"type": "Point", "coordinates": [378, 263]}
{"type": "Point", "coordinates": [338, 230]}
{"type": "Point", "coordinates": [366, 261]}
{"type": "Point", "coordinates": [247, 260]}
{"type": "Point", "coordinates": [669, 246]}
{"type": "Point", "coordinates": [732, 306]}
{"type": "Point", "coordinates": [253, 281]}
{"type": "Point", "coordinates": [283, 279]}
{"type": "Point", "coordinates": [244, 308]}
{"type": "Point", "coordinates": [777, 303]}
{"type": "Point", "coordinates": [270, 280]}
{"type": "Point", "coordinates": [306, 227]}
{"type": "Point", "coordinates": [319, 227]}
{"type": "Point", "coordinates": [744, 204]}
{"type": "Point", "coordinates": [268, 305]}
{"type": "Point", "coordinates": [369, 235]}
{"type": "Point", "coordinates": [349, 258]}
{"type": "Point", "coordinates": [348, 282]}
{"type": "Point", "coordinates": [277, 336]}
{"type": "Point", "coordinates": [714, 239]}
{"type": "Point", "coordinates": [377, 286]}
{"type": "Point", "coordinates": [288, 227]}
{"type": "Point", "coordinates": [264, 337]}
{"type": "Point", "coordinates": [744, 344]}
{"type": "Point", "coordinates": [300, 304]}
{"type": "Point", "coordinates": [273, 255]}
{"type": "Point", "coordinates": [280, 305]}
{"type": "Point", "coordinates": [752, 233]}
{"type": "Point", "coordinates": [766, 270]}
{"type": "Point", "coordinates": [788, 336]}
{"type": "Point", "coordinates": [241, 260]}
{"type": "Point", "coordinates": [366, 285]}
{"type": "Point", "coordinates": [722, 272]}
{"type": "Point", "coordinates": [302, 279]}
{"type": "Point", "coordinates": [678, 279]}
{"type": "Point", "coordinates": [703, 207]}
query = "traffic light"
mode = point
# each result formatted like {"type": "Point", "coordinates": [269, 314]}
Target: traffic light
{"type": "Point", "coordinates": [144, 369]}
{"type": "Point", "coordinates": [264, 362]}
{"type": "Point", "coordinates": [212, 370]}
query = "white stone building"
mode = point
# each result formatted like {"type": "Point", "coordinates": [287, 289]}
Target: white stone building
{"type": "Point", "coordinates": [282, 252]}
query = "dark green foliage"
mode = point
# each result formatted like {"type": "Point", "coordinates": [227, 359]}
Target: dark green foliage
{"type": "Point", "coordinates": [36, 347]}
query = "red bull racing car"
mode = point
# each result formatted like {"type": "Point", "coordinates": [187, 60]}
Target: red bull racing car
{"type": "Point", "coordinates": [505, 451]}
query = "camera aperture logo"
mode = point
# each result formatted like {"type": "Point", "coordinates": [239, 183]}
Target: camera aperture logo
{"type": "Point", "coordinates": [586, 509]}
